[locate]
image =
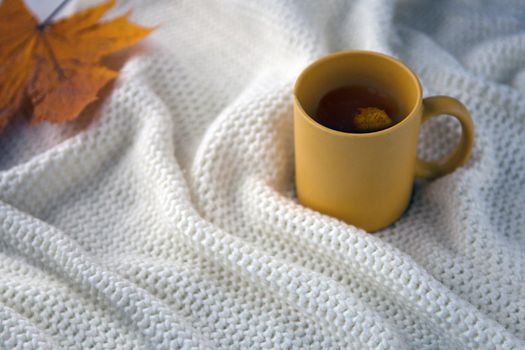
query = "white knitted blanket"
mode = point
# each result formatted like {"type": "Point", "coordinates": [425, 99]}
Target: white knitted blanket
{"type": "Point", "coordinates": [168, 220]}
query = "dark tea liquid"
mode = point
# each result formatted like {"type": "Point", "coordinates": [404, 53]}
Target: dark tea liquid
{"type": "Point", "coordinates": [338, 107]}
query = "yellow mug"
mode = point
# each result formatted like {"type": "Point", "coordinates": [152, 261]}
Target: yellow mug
{"type": "Point", "coordinates": [366, 179]}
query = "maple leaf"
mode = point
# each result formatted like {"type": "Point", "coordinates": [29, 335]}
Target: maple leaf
{"type": "Point", "coordinates": [56, 66]}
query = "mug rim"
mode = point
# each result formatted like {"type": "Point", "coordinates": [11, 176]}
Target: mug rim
{"type": "Point", "coordinates": [337, 54]}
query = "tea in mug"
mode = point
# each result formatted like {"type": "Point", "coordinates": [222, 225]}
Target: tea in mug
{"type": "Point", "coordinates": [357, 109]}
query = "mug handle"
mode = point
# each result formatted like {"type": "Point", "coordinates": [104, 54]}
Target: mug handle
{"type": "Point", "coordinates": [436, 105]}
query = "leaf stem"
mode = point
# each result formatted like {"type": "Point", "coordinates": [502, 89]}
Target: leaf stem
{"type": "Point", "coordinates": [49, 18]}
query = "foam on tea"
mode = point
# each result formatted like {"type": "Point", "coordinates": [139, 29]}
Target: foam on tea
{"type": "Point", "coordinates": [357, 109]}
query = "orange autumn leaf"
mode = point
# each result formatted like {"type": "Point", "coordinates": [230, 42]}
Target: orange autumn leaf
{"type": "Point", "coordinates": [56, 66]}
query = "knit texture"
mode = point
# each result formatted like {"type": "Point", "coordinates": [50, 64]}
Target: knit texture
{"type": "Point", "coordinates": [166, 217]}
